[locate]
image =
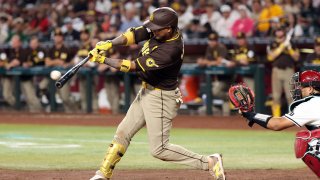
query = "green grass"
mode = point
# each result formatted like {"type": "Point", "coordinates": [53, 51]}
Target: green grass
{"type": "Point", "coordinates": [42, 147]}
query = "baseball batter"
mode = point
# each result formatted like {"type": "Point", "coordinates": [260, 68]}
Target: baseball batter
{"type": "Point", "coordinates": [159, 98]}
{"type": "Point", "coordinates": [303, 111]}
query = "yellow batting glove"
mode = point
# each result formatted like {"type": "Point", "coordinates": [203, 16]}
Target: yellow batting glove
{"type": "Point", "coordinates": [104, 45]}
{"type": "Point", "coordinates": [97, 56]}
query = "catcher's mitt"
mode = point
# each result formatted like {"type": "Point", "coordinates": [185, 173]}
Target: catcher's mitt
{"type": "Point", "coordinates": [242, 97]}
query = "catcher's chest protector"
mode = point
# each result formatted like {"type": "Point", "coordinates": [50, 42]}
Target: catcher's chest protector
{"type": "Point", "coordinates": [307, 147]}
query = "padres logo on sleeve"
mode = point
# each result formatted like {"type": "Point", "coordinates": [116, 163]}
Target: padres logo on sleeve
{"type": "Point", "coordinates": [151, 63]}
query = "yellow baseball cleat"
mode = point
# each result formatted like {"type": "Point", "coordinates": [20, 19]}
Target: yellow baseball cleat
{"type": "Point", "coordinates": [216, 167]}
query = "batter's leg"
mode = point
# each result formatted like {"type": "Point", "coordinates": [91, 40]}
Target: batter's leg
{"type": "Point", "coordinates": [129, 126]}
{"type": "Point", "coordinates": [160, 107]}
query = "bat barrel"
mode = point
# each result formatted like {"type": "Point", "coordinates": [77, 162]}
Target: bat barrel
{"type": "Point", "coordinates": [59, 85]}
{"type": "Point", "coordinates": [68, 75]}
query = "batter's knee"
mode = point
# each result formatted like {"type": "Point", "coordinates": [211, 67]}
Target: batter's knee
{"type": "Point", "coordinates": [159, 153]}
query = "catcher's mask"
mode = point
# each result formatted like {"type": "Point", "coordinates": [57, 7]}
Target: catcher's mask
{"type": "Point", "coordinates": [308, 78]}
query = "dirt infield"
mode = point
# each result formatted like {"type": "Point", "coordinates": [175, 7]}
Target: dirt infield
{"type": "Point", "coordinates": [233, 122]}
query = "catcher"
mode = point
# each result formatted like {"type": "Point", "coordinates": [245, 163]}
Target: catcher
{"type": "Point", "coordinates": [303, 111]}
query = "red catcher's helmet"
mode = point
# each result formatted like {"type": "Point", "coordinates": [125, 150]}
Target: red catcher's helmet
{"type": "Point", "coordinates": [161, 18]}
{"type": "Point", "coordinates": [304, 79]}
{"type": "Point", "coordinates": [309, 78]}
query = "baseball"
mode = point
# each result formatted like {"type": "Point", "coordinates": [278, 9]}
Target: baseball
{"type": "Point", "coordinates": [55, 75]}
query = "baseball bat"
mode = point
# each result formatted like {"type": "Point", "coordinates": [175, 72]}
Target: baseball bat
{"type": "Point", "coordinates": [69, 74]}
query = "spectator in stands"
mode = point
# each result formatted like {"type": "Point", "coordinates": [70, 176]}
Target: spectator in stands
{"type": "Point", "coordinates": [60, 56]}
{"type": "Point", "coordinates": [36, 54]}
{"type": "Point", "coordinates": [17, 29]}
{"type": "Point", "coordinates": [269, 11]}
{"type": "Point", "coordinates": [244, 24]}
{"type": "Point", "coordinates": [69, 33]}
{"type": "Point", "coordinates": [4, 27]}
{"type": "Point", "coordinates": [17, 57]}
{"type": "Point", "coordinates": [54, 19]}
{"type": "Point", "coordinates": [256, 9]}
{"type": "Point", "coordinates": [275, 24]}
{"type": "Point", "coordinates": [283, 56]}
{"type": "Point", "coordinates": [314, 58]}
{"type": "Point", "coordinates": [133, 5]}
{"type": "Point", "coordinates": [224, 24]}
{"type": "Point", "coordinates": [211, 16]}
{"type": "Point", "coordinates": [90, 23]}
{"type": "Point", "coordinates": [216, 54]}
{"type": "Point", "coordinates": [36, 57]}
{"type": "Point", "coordinates": [309, 15]}
{"type": "Point", "coordinates": [293, 23]}
{"type": "Point", "coordinates": [163, 3]}
{"type": "Point", "coordinates": [199, 7]}
{"type": "Point", "coordinates": [243, 55]}
{"type": "Point", "coordinates": [130, 20]}
{"type": "Point", "coordinates": [115, 18]}
{"type": "Point", "coordinates": [112, 82]}
{"type": "Point", "coordinates": [103, 6]}
{"type": "Point", "coordinates": [190, 5]}
{"type": "Point", "coordinates": [105, 24]}
{"type": "Point", "coordinates": [185, 17]}
{"type": "Point", "coordinates": [39, 25]}
{"type": "Point", "coordinates": [81, 7]}
{"type": "Point", "coordinates": [195, 30]}
{"type": "Point", "coordinates": [290, 7]}
{"type": "Point", "coordinates": [76, 22]}
{"type": "Point", "coordinates": [147, 5]}
{"type": "Point", "coordinates": [85, 47]}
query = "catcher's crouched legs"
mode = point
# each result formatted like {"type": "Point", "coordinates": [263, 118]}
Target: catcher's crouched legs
{"type": "Point", "coordinates": [112, 157]}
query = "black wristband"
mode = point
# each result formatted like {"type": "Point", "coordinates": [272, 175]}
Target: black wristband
{"type": "Point", "coordinates": [261, 119]}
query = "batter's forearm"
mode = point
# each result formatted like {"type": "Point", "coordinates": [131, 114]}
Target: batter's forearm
{"type": "Point", "coordinates": [121, 64]}
{"type": "Point", "coordinates": [119, 41]}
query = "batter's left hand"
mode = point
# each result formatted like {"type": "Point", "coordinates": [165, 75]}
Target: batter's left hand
{"type": "Point", "coordinates": [97, 56]}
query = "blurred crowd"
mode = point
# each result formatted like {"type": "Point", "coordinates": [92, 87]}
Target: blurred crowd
{"type": "Point", "coordinates": [105, 19]}
{"type": "Point", "coordinates": [25, 25]}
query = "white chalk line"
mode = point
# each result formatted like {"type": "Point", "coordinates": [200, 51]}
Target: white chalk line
{"type": "Point", "coordinates": [34, 144]}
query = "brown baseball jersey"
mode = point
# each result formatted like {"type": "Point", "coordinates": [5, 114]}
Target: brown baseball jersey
{"type": "Point", "coordinates": [244, 52]}
{"type": "Point", "coordinates": [19, 54]}
{"type": "Point", "coordinates": [284, 60]}
{"type": "Point", "coordinates": [84, 50]}
{"type": "Point", "coordinates": [313, 58]}
{"type": "Point", "coordinates": [212, 53]}
{"type": "Point", "coordinates": [36, 56]}
{"type": "Point", "coordinates": [159, 63]}
{"type": "Point", "coordinates": [62, 53]}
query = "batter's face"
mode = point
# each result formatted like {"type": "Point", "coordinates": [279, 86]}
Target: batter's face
{"type": "Point", "coordinates": [162, 34]}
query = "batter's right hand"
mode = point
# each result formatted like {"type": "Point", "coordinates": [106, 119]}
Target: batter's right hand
{"type": "Point", "coordinates": [104, 45]}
